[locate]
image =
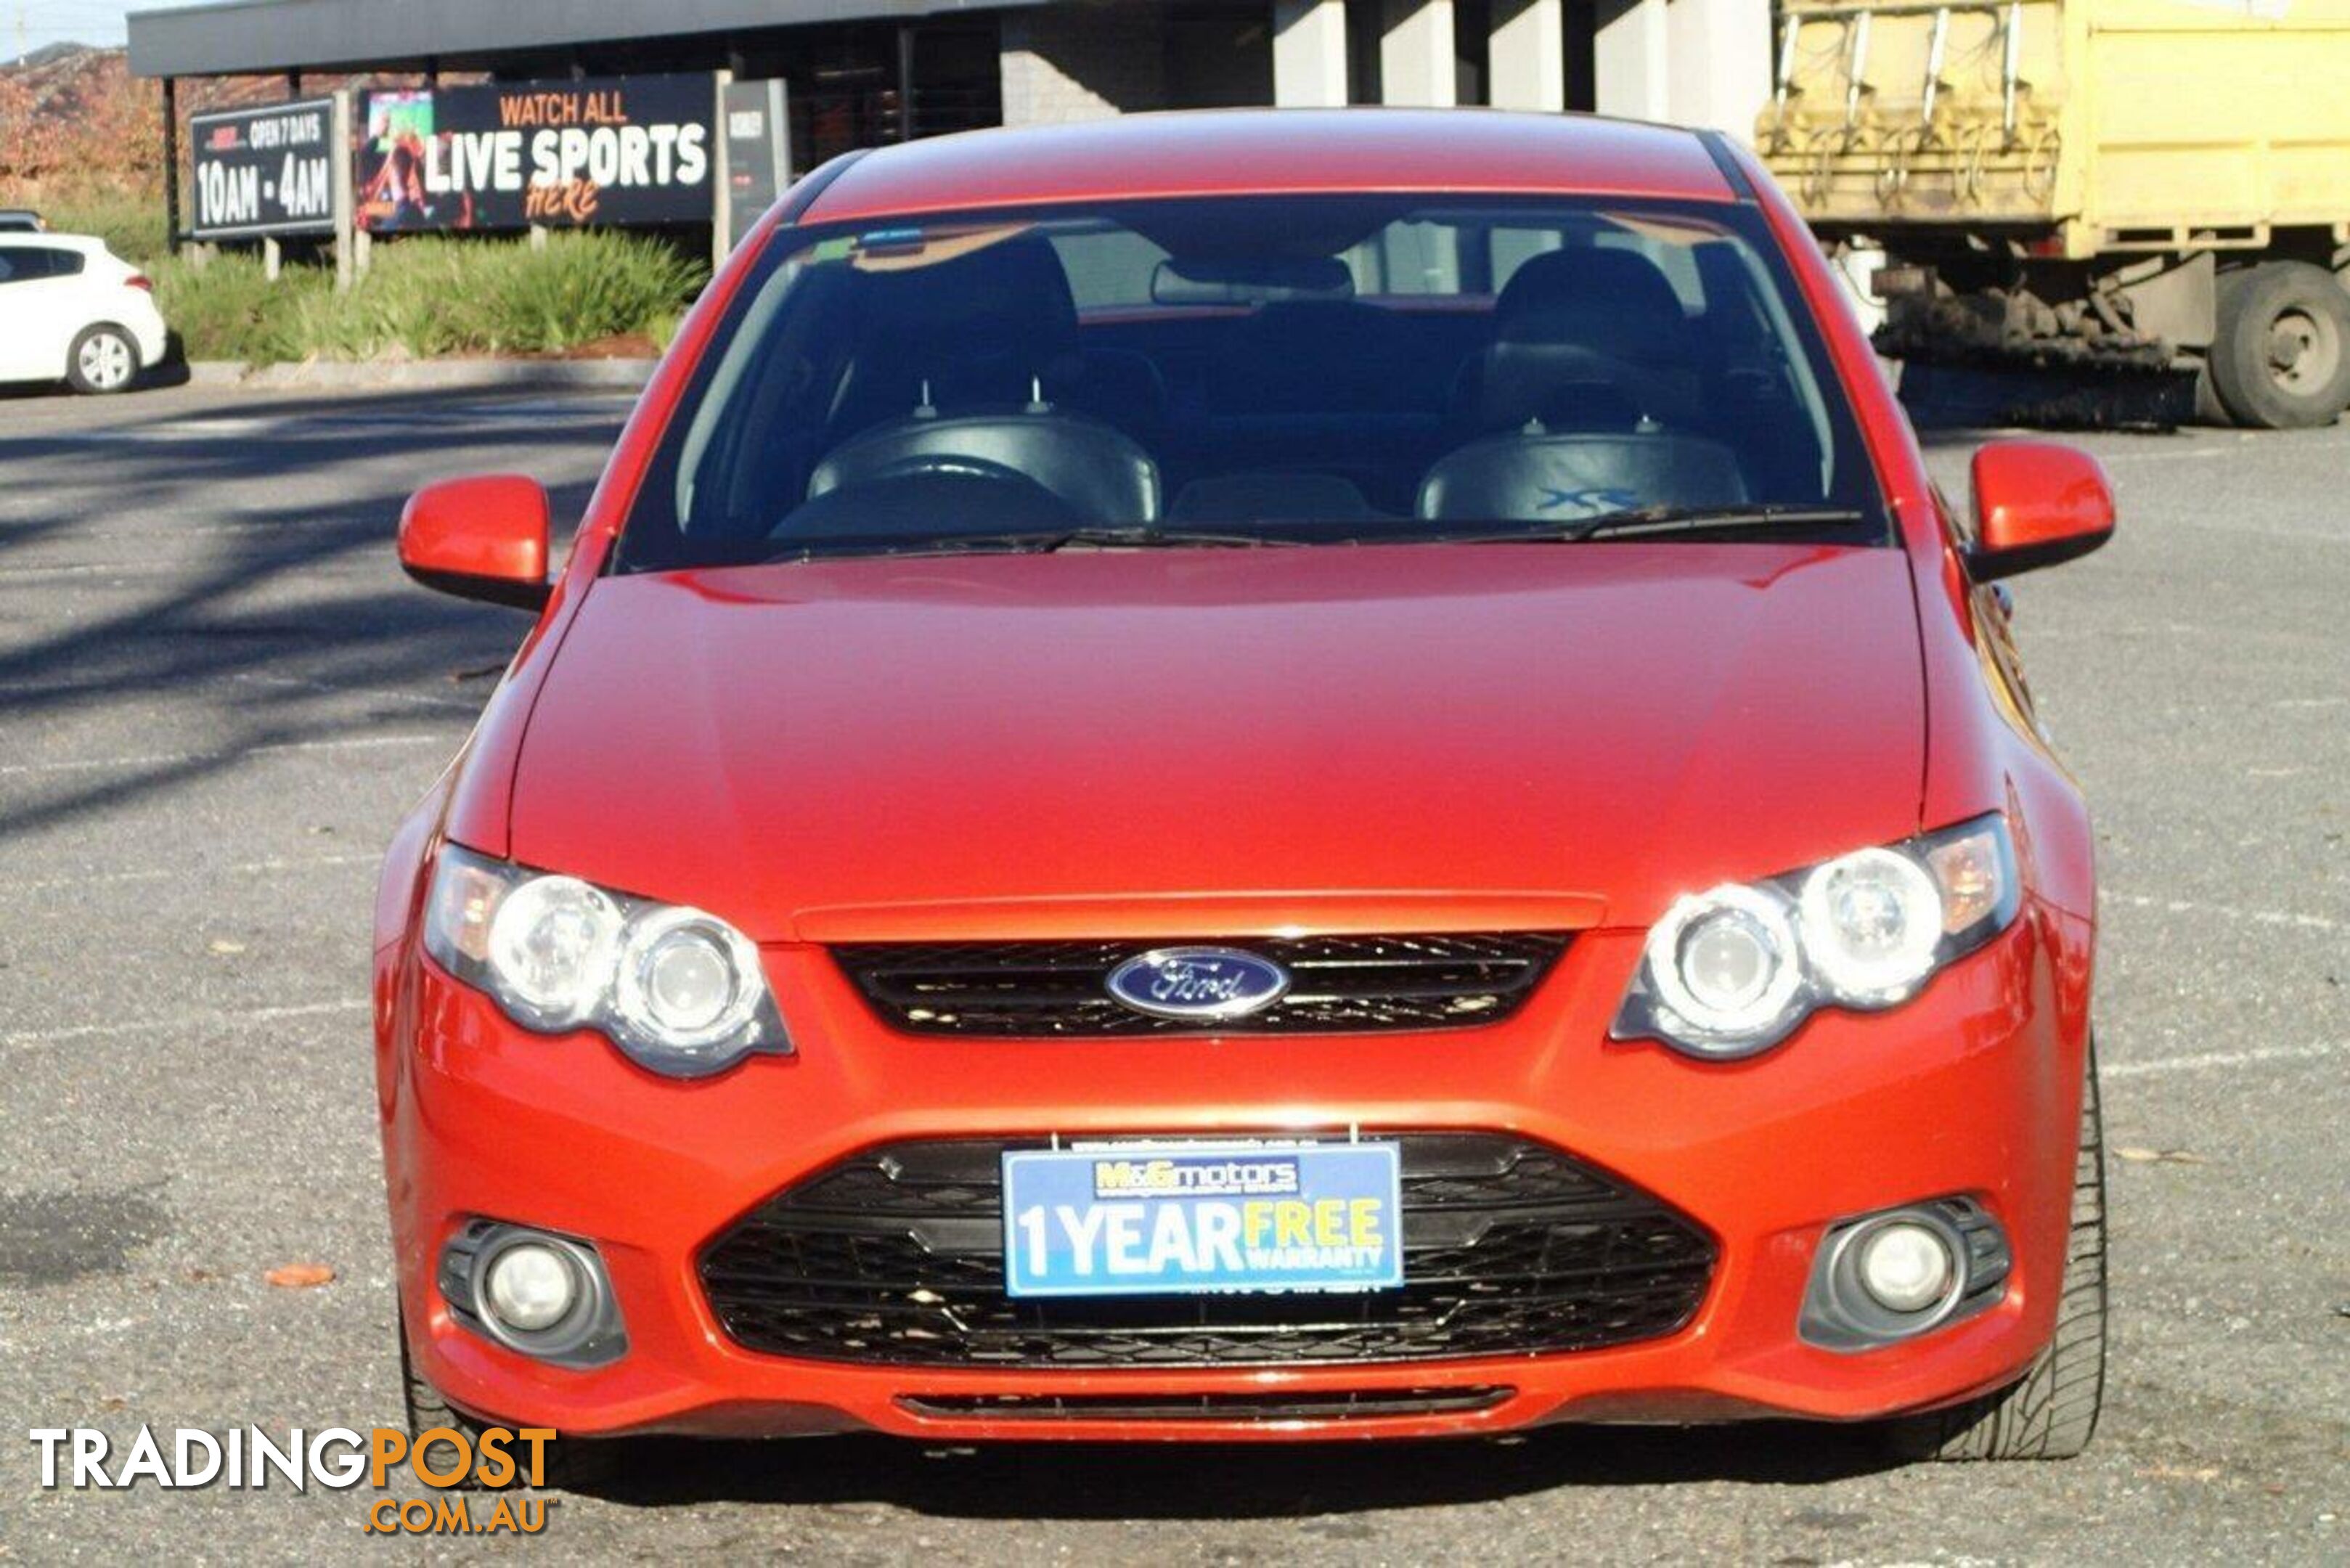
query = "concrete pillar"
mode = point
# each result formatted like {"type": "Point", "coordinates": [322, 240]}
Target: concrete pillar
{"type": "Point", "coordinates": [1630, 60]}
{"type": "Point", "coordinates": [1720, 54]}
{"type": "Point", "coordinates": [1415, 62]}
{"type": "Point", "coordinates": [1309, 53]}
{"type": "Point", "coordinates": [1525, 54]}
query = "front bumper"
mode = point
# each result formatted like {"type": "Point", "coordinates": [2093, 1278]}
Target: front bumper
{"type": "Point", "coordinates": [1973, 1088]}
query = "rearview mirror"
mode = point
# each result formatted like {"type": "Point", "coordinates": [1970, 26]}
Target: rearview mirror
{"type": "Point", "coordinates": [2037, 503]}
{"type": "Point", "coordinates": [482, 538]}
{"type": "Point", "coordinates": [1249, 280]}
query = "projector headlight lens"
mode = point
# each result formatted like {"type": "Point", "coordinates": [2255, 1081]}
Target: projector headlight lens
{"type": "Point", "coordinates": [1726, 967]}
{"type": "Point", "coordinates": [1734, 971]}
{"type": "Point", "coordinates": [690, 978]}
{"type": "Point", "coordinates": [1871, 923]}
{"type": "Point", "coordinates": [680, 990]}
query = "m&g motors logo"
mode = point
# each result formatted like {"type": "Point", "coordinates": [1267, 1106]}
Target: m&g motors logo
{"type": "Point", "coordinates": [1196, 1175]}
{"type": "Point", "coordinates": [335, 1459]}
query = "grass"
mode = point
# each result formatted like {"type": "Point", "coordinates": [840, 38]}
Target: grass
{"type": "Point", "coordinates": [129, 221]}
{"type": "Point", "coordinates": [424, 297]}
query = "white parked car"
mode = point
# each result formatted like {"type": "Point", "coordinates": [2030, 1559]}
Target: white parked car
{"type": "Point", "coordinates": [72, 310]}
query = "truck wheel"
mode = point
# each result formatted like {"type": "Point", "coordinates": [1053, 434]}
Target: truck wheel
{"type": "Point", "coordinates": [572, 1464]}
{"type": "Point", "coordinates": [2050, 1413]}
{"type": "Point", "coordinates": [2281, 358]}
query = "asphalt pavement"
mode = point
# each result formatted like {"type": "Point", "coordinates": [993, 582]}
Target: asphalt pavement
{"type": "Point", "coordinates": [217, 695]}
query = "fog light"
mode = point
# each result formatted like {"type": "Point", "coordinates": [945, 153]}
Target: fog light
{"type": "Point", "coordinates": [1881, 1278]}
{"type": "Point", "coordinates": [531, 1287]}
{"type": "Point", "coordinates": [1906, 1267]}
{"type": "Point", "coordinates": [532, 1290]}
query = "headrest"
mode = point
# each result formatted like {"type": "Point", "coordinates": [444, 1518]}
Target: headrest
{"type": "Point", "coordinates": [1010, 298]}
{"type": "Point", "coordinates": [1614, 301]}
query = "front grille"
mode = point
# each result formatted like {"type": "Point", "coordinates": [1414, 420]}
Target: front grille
{"type": "Point", "coordinates": [1343, 1405]}
{"type": "Point", "coordinates": [896, 1256]}
{"type": "Point", "coordinates": [1034, 989]}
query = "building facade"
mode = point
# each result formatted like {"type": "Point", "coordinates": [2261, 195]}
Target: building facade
{"type": "Point", "coordinates": [860, 72]}
{"type": "Point", "coordinates": [1699, 62]}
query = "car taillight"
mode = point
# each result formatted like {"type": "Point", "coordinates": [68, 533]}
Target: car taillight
{"type": "Point", "coordinates": [140, 281]}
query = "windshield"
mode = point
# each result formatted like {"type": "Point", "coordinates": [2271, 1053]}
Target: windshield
{"type": "Point", "coordinates": [1241, 370]}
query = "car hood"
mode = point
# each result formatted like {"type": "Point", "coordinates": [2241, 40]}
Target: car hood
{"type": "Point", "coordinates": [1195, 742]}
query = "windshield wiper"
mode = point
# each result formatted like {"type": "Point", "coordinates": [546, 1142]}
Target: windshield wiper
{"type": "Point", "coordinates": [1149, 536]}
{"type": "Point", "coordinates": [1662, 520]}
{"type": "Point", "coordinates": [1633, 520]}
{"type": "Point", "coordinates": [1136, 537]}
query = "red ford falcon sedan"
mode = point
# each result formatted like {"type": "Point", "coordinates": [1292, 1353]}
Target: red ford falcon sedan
{"type": "Point", "coordinates": [1255, 775]}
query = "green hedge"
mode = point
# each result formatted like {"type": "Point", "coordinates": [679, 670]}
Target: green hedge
{"type": "Point", "coordinates": [129, 221]}
{"type": "Point", "coordinates": [424, 297]}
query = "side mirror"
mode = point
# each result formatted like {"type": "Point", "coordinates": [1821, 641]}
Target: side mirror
{"type": "Point", "coordinates": [2037, 503]}
{"type": "Point", "coordinates": [483, 538]}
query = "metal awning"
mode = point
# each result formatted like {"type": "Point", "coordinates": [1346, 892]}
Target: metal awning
{"type": "Point", "coordinates": [264, 36]}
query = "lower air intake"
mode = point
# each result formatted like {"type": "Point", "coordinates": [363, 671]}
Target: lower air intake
{"type": "Point", "coordinates": [895, 1256]}
{"type": "Point", "coordinates": [1343, 1405]}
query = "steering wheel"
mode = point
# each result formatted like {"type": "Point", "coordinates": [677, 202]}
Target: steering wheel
{"type": "Point", "coordinates": [944, 465]}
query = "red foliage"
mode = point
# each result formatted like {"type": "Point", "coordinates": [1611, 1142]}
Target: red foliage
{"type": "Point", "coordinates": [80, 116]}
{"type": "Point", "coordinates": [77, 117]}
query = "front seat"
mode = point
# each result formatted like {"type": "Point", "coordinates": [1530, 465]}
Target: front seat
{"type": "Point", "coordinates": [991, 329]}
{"type": "Point", "coordinates": [1571, 320]}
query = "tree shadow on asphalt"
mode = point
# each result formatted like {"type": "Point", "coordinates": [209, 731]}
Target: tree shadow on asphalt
{"type": "Point", "coordinates": [1227, 1480]}
{"type": "Point", "coordinates": [264, 621]}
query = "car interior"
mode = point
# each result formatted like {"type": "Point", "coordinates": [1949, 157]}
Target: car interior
{"type": "Point", "coordinates": [910, 382]}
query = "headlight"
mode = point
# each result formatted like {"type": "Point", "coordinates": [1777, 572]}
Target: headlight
{"type": "Point", "coordinates": [552, 943]}
{"type": "Point", "coordinates": [1871, 924]}
{"type": "Point", "coordinates": [682, 992]}
{"type": "Point", "coordinates": [1733, 971]}
{"type": "Point", "coordinates": [1727, 967]}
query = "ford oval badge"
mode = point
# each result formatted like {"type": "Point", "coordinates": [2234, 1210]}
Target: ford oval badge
{"type": "Point", "coordinates": [1208, 984]}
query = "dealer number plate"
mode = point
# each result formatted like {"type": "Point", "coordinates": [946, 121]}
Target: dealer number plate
{"type": "Point", "coordinates": [1186, 1218]}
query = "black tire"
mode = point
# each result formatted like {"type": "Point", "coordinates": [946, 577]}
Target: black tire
{"type": "Point", "coordinates": [2281, 357]}
{"type": "Point", "coordinates": [2208, 409]}
{"type": "Point", "coordinates": [572, 1464]}
{"type": "Point", "coordinates": [104, 359]}
{"type": "Point", "coordinates": [2052, 1412]}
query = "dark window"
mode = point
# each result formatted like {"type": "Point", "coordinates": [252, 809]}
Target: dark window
{"type": "Point", "coordinates": [26, 264]}
{"type": "Point", "coordinates": [1301, 371]}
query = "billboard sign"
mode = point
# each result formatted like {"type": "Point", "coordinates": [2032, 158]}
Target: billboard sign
{"type": "Point", "coordinates": [262, 171]}
{"type": "Point", "coordinates": [612, 151]}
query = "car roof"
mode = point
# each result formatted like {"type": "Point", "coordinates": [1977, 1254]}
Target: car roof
{"type": "Point", "coordinates": [88, 244]}
{"type": "Point", "coordinates": [1292, 152]}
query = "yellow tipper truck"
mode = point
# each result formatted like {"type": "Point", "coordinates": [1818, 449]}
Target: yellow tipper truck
{"type": "Point", "coordinates": [2158, 185]}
